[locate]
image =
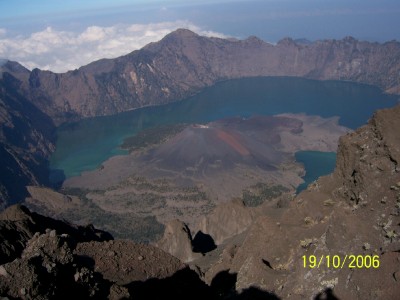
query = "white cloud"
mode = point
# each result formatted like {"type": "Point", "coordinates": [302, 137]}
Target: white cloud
{"type": "Point", "coordinates": [60, 51]}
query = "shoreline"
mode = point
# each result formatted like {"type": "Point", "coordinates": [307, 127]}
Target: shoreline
{"type": "Point", "coordinates": [317, 134]}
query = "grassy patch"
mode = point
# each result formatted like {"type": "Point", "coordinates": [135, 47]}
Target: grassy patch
{"type": "Point", "coordinates": [260, 192]}
{"type": "Point", "coordinates": [144, 229]}
{"type": "Point", "coordinates": [151, 136]}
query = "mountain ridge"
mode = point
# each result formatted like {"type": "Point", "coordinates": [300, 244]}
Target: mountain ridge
{"type": "Point", "coordinates": [184, 62]}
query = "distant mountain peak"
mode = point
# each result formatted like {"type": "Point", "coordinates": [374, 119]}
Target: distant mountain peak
{"type": "Point", "coordinates": [349, 39]}
{"type": "Point", "coordinates": [182, 33]}
{"type": "Point", "coordinates": [287, 41]}
{"type": "Point", "coordinates": [9, 64]}
{"type": "Point", "coordinates": [254, 40]}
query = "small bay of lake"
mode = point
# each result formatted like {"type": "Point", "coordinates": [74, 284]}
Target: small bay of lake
{"type": "Point", "coordinates": [316, 164]}
{"type": "Point", "coordinates": [84, 145]}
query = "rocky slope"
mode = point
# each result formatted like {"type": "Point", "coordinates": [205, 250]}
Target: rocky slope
{"type": "Point", "coordinates": [353, 212]}
{"type": "Point", "coordinates": [46, 259]}
{"type": "Point", "coordinates": [26, 141]}
{"type": "Point", "coordinates": [66, 262]}
{"type": "Point", "coordinates": [18, 225]}
{"type": "Point", "coordinates": [178, 241]}
{"type": "Point", "coordinates": [183, 62]}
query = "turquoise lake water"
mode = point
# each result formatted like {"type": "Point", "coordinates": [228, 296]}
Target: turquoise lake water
{"type": "Point", "coordinates": [86, 144]}
{"type": "Point", "coordinates": [316, 164]}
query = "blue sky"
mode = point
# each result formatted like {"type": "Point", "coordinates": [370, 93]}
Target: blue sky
{"type": "Point", "coordinates": [47, 33]}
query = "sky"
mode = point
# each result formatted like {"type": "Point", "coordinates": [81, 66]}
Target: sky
{"type": "Point", "coordinates": [61, 35]}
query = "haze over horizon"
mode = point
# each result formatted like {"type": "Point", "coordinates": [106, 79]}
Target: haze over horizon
{"type": "Point", "coordinates": [60, 36]}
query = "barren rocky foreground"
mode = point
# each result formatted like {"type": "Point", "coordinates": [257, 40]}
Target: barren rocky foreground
{"type": "Point", "coordinates": [354, 211]}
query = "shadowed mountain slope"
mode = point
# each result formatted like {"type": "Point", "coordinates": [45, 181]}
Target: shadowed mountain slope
{"type": "Point", "coordinates": [27, 139]}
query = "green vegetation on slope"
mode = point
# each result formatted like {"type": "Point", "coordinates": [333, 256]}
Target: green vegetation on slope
{"type": "Point", "coordinates": [128, 225]}
{"type": "Point", "coordinates": [258, 193]}
{"type": "Point", "coordinates": [151, 136]}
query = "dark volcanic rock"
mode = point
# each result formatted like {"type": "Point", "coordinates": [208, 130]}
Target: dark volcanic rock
{"type": "Point", "coordinates": [76, 264]}
{"type": "Point", "coordinates": [177, 241]}
{"type": "Point", "coordinates": [227, 220]}
{"type": "Point", "coordinates": [123, 261]}
{"type": "Point", "coordinates": [47, 270]}
{"type": "Point", "coordinates": [202, 146]}
{"type": "Point", "coordinates": [18, 225]}
{"type": "Point", "coordinates": [223, 144]}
